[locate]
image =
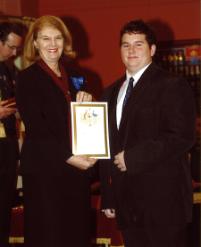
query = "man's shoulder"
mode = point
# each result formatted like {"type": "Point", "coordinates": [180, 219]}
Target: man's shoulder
{"type": "Point", "coordinates": [156, 70]}
{"type": "Point", "coordinates": [3, 68]}
{"type": "Point", "coordinates": [2, 64]}
{"type": "Point", "coordinates": [167, 82]}
{"type": "Point", "coordinates": [112, 88]}
{"type": "Point", "coordinates": [162, 75]}
{"type": "Point", "coordinates": [116, 83]}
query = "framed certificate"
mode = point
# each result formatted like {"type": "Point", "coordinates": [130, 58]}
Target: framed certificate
{"type": "Point", "coordinates": [89, 122]}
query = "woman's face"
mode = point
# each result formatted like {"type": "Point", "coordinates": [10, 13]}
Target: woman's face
{"type": "Point", "coordinates": [50, 44]}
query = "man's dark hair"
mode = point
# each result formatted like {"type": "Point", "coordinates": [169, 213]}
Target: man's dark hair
{"type": "Point", "coordinates": [139, 26]}
{"type": "Point", "coordinates": [7, 27]}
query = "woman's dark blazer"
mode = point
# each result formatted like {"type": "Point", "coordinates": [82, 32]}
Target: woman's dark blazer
{"type": "Point", "coordinates": [45, 113]}
{"type": "Point", "coordinates": [156, 131]}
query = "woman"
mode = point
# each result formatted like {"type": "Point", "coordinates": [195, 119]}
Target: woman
{"type": "Point", "coordinates": [55, 182]}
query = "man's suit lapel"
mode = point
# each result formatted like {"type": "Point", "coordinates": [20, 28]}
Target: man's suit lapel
{"type": "Point", "coordinates": [135, 98]}
{"type": "Point", "coordinates": [112, 114]}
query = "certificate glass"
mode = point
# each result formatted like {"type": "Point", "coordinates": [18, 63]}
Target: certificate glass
{"type": "Point", "coordinates": [89, 122]}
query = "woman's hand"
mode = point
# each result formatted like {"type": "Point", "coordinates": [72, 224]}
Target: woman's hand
{"type": "Point", "coordinates": [82, 162]}
{"type": "Point", "coordinates": [83, 96]}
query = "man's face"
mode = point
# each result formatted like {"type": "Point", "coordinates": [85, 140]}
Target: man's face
{"type": "Point", "coordinates": [9, 47]}
{"type": "Point", "coordinates": [136, 52]}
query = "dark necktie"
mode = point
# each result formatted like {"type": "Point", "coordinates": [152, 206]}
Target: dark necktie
{"type": "Point", "coordinates": [128, 91]}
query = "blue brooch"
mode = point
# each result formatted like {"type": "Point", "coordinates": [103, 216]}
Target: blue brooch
{"type": "Point", "coordinates": [78, 82]}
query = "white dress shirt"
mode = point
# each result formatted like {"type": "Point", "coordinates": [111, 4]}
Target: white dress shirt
{"type": "Point", "coordinates": [122, 92]}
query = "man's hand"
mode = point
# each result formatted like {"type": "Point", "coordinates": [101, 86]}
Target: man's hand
{"type": "Point", "coordinates": [119, 161]}
{"type": "Point", "coordinates": [109, 212]}
{"type": "Point", "coordinates": [83, 96]}
{"type": "Point", "coordinates": [7, 108]}
{"type": "Point", "coordinates": [81, 161]}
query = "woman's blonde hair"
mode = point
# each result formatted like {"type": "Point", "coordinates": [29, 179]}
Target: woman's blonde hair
{"type": "Point", "coordinates": [30, 52]}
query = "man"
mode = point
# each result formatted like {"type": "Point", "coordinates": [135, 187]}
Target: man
{"type": "Point", "coordinates": [10, 41]}
{"type": "Point", "coordinates": [147, 185]}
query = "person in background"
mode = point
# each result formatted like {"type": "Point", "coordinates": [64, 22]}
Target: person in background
{"type": "Point", "coordinates": [11, 37]}
{"type": "Point", "coordinates": [147, 183]}
{"type": "Point", "coordinates": [55, 182]}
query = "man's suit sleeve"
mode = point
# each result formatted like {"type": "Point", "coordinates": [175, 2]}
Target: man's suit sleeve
{"type": "Point", "coordinates": [107, 200]}
{"type": "Point", "coordinates": [176, 128]}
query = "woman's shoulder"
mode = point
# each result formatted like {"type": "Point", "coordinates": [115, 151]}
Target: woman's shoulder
{"type": "Point", "coordinates": [29, 76]}
{"type": "Point", "coordinates": [33, 73]}
{"type": "Point", "coordinates": [29, 70]}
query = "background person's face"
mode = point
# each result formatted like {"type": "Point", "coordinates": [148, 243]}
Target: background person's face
{"type": "Point", "coordinates": [9, 47]}
{"type": "Point", "coordinates": [135, 51]}
{"type": "Point", "coordinates": [50, 44]}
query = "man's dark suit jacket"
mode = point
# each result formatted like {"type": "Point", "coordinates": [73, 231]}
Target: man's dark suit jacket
{"type": "Point", "coordinates": [156, 132]}
{"type": "Point", "coordinates": [9, 145]}
{"type": "Point", "coordinates": [7, 91]}
{"type": "Point", "coordinates": [8, 157]}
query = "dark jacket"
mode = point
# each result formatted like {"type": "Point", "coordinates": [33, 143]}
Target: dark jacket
{"type": "Point", "coordinates": [156, 131]}
{"type": "Point", "coordinates": [45, 113]}
{"type": "Point", "coordinates": [6, 92]}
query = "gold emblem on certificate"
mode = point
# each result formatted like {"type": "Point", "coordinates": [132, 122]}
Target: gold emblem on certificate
{"type": "Point", "coordinates": [90, 129]}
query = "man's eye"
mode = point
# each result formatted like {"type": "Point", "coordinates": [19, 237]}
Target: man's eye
{"type": "Point", "coordinates": [125, 45]}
